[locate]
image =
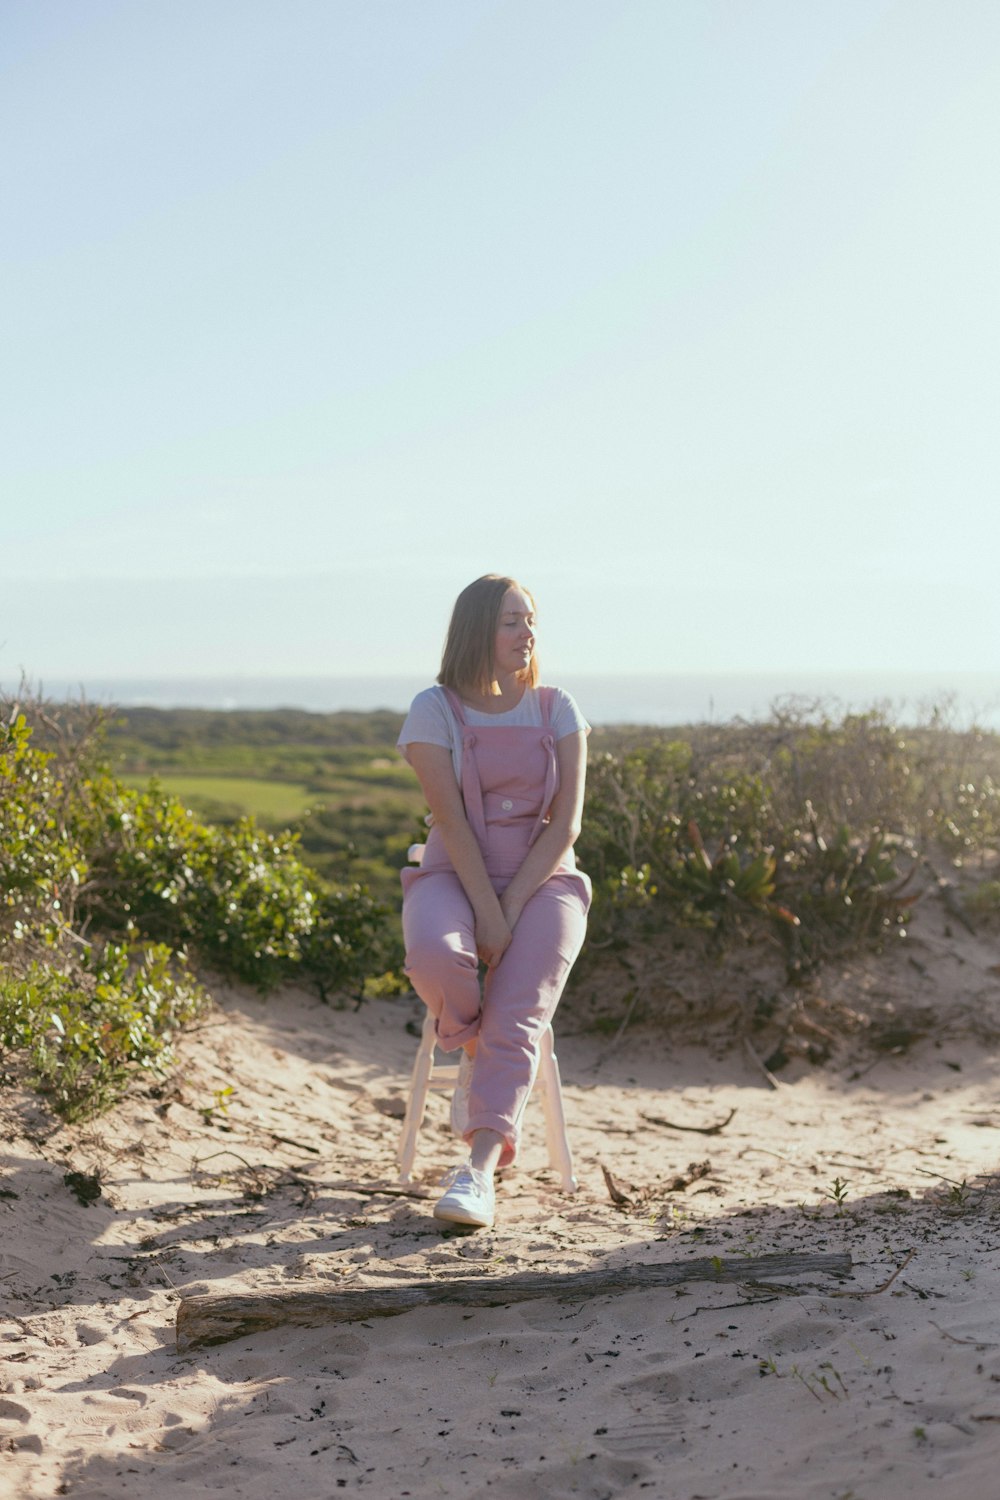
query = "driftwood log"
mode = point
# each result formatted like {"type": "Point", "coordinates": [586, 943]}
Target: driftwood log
{"type": "Point", "coordinates": [215, 1319]}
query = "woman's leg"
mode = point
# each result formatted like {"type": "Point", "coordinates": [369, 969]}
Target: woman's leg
{"type": "Point", "coordinates": [485, 1150]}
{"type": "Point", "coordinates": [441, 959]}
{"type": "Point", "coordinates": [522, 993]}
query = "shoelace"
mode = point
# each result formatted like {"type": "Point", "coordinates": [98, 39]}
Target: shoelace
{"type": "Point", "coordinates": [452, 1175]}
{"type": "Point", "coordinates": [466, 1170]}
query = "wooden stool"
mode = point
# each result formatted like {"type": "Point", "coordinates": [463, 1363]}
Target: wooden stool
{"type": "Point", "coordinates": [430, 1075]}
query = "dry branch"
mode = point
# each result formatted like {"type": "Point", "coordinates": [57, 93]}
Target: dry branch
{"type": "Point", "coordinates": [756, 1058]}
{"type": "Point", "coordinates": [618, 1198]}
{"type": "Point", "coordinates": [876, 1291]}
{"type": "Point", "coordinates": [695, 1129]}
{"type": "Point", "coordinates": [695, 1172]}
{"type": "Point", "coordinates": [215, 1319]}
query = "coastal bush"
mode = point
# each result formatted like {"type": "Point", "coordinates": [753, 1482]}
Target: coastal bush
{"type": "Point", "coordinates": [84, 1030]}
{"type": "Point", "coordinates": [105, 890]}
{"type": "Point", "coordinates": [240, 896]}
{"type": "Point", "coordinates": [808, 829]}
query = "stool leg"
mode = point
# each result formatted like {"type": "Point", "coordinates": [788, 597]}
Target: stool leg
{"type": "Point", "coordinates": [560, 1155]}
{"type": "Point", "coordinates": [417, 1102]}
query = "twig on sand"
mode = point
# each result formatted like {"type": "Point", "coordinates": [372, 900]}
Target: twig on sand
{"type": "Point", "coordinates": [603, 1056]}
{"type": "Point", "coordinates": [377, 1192]}
{"type": "Point", "coordinates": [694, 1173]}
{"type": "Point", "coordinates": [861, 1072]}
{"type": "Point", "coordinates": [876, 1290]}
{"type": "Point", "coordinates": [197, 1161]}
{"type": "Point", "coordinates": [766, 1151]}
{"type": "Point", "coordinates": [618, 1198]}
{"type": "Point", "coordinates": [696, 1129]}
{"type": "Point", "coordinates": [286, 1140]}
{"type": "Point", "coordinates": [755, 1057]}
{"type": "Point", "coordinates": [354, 1189]}
{"type": "Point", "coordinates": [976, 1343]}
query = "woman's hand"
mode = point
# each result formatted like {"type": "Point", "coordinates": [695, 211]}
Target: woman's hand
{"type": "Point", "coordinates": [512, 908]}
{"type": "Point", "coordinates": [492, 938]}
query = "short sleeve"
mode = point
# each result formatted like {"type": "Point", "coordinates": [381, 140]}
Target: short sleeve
{"type": "Point", "coordinates": [427, 723]}
{"type": "Point", "coordinates": [564, 715]}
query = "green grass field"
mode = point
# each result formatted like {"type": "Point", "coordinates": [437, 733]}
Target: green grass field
{"type": "Point", "coordinates": [270, 801]}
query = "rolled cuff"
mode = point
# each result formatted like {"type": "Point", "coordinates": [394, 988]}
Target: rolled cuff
{"type": "Point", "coordinates": [456, 1039]}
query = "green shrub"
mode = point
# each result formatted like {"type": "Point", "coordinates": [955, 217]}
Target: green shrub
{"type": "Point", "coordinates": [105, 889]}
{"type": "Point", "coordinates": [240, 896]}
{"type": "Point", "coordinates": [83, 1032]}
{"type": "Point", "coordinates": [811, 830]}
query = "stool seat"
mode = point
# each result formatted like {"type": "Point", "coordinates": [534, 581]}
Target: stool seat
{"type": "Point", "coordinates": [429, 1074]}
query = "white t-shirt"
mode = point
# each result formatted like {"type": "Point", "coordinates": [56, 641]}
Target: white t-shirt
{"type": "Point", "coordinates": [432, 722]}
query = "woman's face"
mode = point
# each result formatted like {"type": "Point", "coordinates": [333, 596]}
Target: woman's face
{"type": "Point", "coordinates": [515, 637]}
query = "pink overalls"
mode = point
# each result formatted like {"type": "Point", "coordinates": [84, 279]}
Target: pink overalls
{"type": "Point", "coordinates": [509, 776]}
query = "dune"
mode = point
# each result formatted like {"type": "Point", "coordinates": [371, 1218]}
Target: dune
{"type": "Point", "coordinates": [266, 1164]}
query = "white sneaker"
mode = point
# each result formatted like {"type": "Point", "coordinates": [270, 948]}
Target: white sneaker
{"type": "Point", "coordinates": [460, 1098]}
{"type": "Point", "coordinates": [469, 1199]}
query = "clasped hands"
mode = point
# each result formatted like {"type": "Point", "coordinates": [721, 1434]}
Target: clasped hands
{"type": "Point", "coordinates": [495, 929]}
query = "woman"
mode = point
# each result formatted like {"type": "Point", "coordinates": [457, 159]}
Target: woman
{"type": "Point", "coordinates": [502, 764]}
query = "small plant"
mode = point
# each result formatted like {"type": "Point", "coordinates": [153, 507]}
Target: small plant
{"type": "Point", "coordinates": [837, 1193]}
{"type": "Point", "coordinates": [220, 1104]}
{"type": "Point", "coordinates": [819, 1380]}
{"type": "Point", "coordinates": [675, 1217]}
{"type": "Point", "coordinates": [958, 1194]}
{"type": "Point", "coordinates": [824, 1379]}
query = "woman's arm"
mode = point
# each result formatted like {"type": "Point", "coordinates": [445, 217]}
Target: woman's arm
{"type": "Point", "coordinates": [559, 834]}
{"type": "Point", "coordinates": [436, 773]}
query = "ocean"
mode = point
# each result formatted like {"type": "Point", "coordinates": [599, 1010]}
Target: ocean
{"type": "Point", "coordinates": [661, 699]}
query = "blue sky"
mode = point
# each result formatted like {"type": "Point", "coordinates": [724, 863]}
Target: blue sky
{"type": "Point", "coordinates": [684, 313]}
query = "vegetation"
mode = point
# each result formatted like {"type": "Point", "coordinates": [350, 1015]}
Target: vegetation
{"type": "Point", "coordinates": [807, 828]}
{"type": "Point", "coordinates": [105, 891]}
{"type": "Point", "coordinates": [268, 846]}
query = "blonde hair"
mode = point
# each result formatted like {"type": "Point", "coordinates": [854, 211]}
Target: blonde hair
{"type": "Point", "coordinates": [467, 660]}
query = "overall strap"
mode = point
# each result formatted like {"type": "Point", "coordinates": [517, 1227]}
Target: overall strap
{"type": "Point", "coordinates": [551, 783]}
{"type": "Point", "coordinates": [472, 792]}
{"type": "Point", "coordinates": [455, 702]}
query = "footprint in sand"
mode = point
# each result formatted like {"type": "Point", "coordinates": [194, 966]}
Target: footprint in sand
{"type": "Point", "coordinates": [89, 1333]}
{"type": "Point", "coordinates": [656, 1436]}
{"type": "Point", "coordinates": [13, 1411]}
{"type": "Point", "coordinates": [795, 1334]}
{"type": "Point", "coordinates": [16, 1441]}
{"type": "Point", "coordinates": [109, 1412]}
{"type": "Point", "coordinates": [591, 1476]}
{"type": "Point", "coordinates": [126, 1393]}
{"type": "Point", "coordinates": [664, 1385]}
{"type": "Point", "coordinates": [340, 1354]}
{"type": "Point", "coordinates": [711, 1378]}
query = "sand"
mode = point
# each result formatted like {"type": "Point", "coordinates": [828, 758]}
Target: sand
{"type": "Point", "coordinates": [882, 1386]}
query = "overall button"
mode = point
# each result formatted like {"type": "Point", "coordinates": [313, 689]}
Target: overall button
{"type": "Point", "coordinates": [506, 804]}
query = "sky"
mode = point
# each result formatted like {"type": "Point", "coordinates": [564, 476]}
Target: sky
{"type": "Point", "coordinates": [683, 312]}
